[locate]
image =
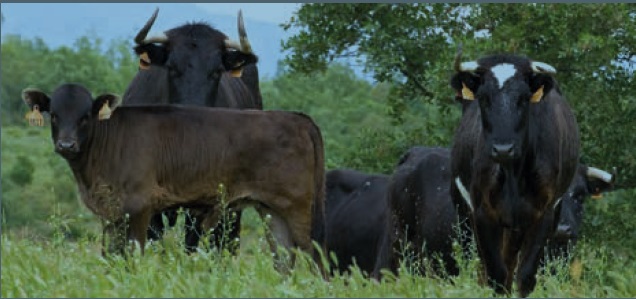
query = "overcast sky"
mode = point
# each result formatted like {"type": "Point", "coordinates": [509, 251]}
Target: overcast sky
{"type": "Point", "coordinates": [267, 12]}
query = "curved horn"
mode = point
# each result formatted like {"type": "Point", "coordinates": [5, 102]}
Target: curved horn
{"type": "Point", "coordinates": [159, 38]}
{"type": "Point", "coordinates": [232, 44]}
{"type": "Point", "coordinates": [469, 66]}
{"type": "Point", "coordinates": [540, 67]}
{"type": "Point", "coordinates": [603, 175]}
{"type": "Point", "coordinates": [245, 43]}
{"type": "Point", "coordinates": [141, 35]}
{"type": "Point", "coordinates": [458, 58]}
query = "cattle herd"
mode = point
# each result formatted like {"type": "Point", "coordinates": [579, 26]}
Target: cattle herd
{"type": "Point", "coordinates": [190, 133]}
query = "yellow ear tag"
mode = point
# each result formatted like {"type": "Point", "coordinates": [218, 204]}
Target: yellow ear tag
{"type": "Point", "coordinates": [144, 61]}
{"type": "Point", "coordinates": [597, 195]}
{"type": "Point", "coordinates": [104, 112]}
{"type": "Point", "coordinates": [536, 97]}
{"type": "Point", "coordinates": [236, 73]}
{"type": "Point", "coordinates": [467, 94]}
{"type": "Point", "coordinates": [35, 117]}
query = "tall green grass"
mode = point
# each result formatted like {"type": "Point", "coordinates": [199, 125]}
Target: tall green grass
{"type": "Point", "coordinates": [58, 268]}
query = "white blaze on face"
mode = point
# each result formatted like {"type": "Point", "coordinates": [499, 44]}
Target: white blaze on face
{"type": "Point", "coordinates": [503, 72]}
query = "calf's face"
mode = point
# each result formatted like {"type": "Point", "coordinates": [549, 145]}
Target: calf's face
{"type": "Point", "coordinates": [72, 110]}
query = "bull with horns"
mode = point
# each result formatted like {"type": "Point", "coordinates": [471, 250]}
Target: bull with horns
{"type": "Point", "coordinates": [195, 64]}
{"type": "Point", "coordinates": [516, 150]}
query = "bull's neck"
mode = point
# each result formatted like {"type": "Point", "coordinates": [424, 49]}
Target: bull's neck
{"type": "Point", "coordinates": [513, 205]}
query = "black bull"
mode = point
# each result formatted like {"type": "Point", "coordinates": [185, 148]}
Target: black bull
{"type": "Point", "coordinates": [516, 149]}
{"type": "Point", "coordinates": [587, 182]}
{"type": "Point", "coordinates": [357, 211]}
{"type": "Point", "coordinates": [138, 160]}
{"type": "Point", "coordinates": [195, 64]}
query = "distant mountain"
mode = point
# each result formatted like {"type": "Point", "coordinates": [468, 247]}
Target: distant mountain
{"type": "Point", "coordinates": [62, 23]}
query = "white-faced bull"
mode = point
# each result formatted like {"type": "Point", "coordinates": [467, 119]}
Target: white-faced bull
{"type": "Point", "coordinates": [144, 159]}
{"type": "Point", "coordinates": [195, 64]}
{"type": "Point", "coordinates": [516, 149]}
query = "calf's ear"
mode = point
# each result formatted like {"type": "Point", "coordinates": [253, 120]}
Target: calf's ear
{"type": "Point", "coordinates": [104, 105]}
{"type": "Point", "coordinates": [38, 102]}
{"type": "Point", "coordinates": [234, 61]}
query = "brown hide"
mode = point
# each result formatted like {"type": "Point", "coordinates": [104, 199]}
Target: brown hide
{"type": "Point", "coordinates": [148, 158]}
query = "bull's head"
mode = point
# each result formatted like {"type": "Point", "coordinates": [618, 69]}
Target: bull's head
{"type": "Point", "coordinates": [588, 181]}
{"type": "Point", "coordinates": [73, 111]}
{"type": "Point", "coordinates": [504, 86]}
{"type": "Point", "coordinates": [195, 56]}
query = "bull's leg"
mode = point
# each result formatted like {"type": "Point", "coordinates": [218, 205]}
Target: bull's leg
{"type": "Point", "coordinates": [386, 252]}
{"type": "Point", "coordinates": [279, 234]}
{"type": "Point", "coordinates": [531, 252]}
{"type": "Point", "coordinates": [193, 231]}
{"type": "Point", "coordinates": [227, 231]}
{"type": "Point", "coordinates": [113, 237]}
{"type": "Point", "coordinates": [489, 240]}
{"type": "Point", "coordinates": [225, 225]}
{"type": "Point", "coordinates": [511, 245]}
{"type": "Point", "coordinates": [138, 228]}
{"type": "Point", "coordinates": [137, 214]}
{"type": "Point", "coordinates": [156, 228]}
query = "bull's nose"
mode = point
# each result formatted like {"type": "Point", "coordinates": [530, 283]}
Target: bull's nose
{"type": "Point", "coordinates": [503, 151]}
{"type": "Point", "coordinates": [563, 231]}
{"type": "Point", "coordinates": [67, 145]}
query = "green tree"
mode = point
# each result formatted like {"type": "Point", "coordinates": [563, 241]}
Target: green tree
{"type": "Point", "coordinates": [412, 47]}
{"type": "Point", "coordinates": [31, 63]}
{"type": "Point", "coordinates": [337, 101]}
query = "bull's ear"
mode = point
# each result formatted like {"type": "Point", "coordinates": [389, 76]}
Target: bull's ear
{"type": "Point", "coordinates": [104, 105]}
{"type": "Point", "coordinates": [38, 102]}
{"type": "Point", "coordinates": [150, 54]}
{"type": "Point", "coordinates": [234, 61]}
{"type": "Point", "coordinates": [540, 85]}
{"type": "Point", "coordinates": [465, 85]}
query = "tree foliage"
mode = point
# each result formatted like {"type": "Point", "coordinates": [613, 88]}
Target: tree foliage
{"type": "Point", "coordinates": [31, 63]}
{"type": "Point", "coordinates": [412, 46]}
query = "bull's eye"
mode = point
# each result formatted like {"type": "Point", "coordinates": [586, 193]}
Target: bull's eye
{"type": "Point", "coordinates": [214, 74]}
{"type": "Point", "coordinates": [84, 120]}
{"type": "Point", "coordinates": [174, 72]}
{"type": "Point", "coordinates": [484, 101]}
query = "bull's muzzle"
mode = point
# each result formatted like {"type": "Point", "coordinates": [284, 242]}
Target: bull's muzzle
{"type": "Point", "coordinates": [564, 233]}
{"type": "Point", "coordinates": [503, 151]}
{"type": "Point", "coordinates": [67, 146]}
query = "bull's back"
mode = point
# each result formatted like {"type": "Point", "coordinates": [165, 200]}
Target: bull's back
{"type": "Point", "coordinates": [427, 174]}
{"type": "Point", "coordinates": [214, 145]}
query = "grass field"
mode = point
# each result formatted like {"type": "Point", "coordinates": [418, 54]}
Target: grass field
{"type": "Point", "coordinates": [50, 247]}
{"type": "Point", "coordinates": [58, 268]}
